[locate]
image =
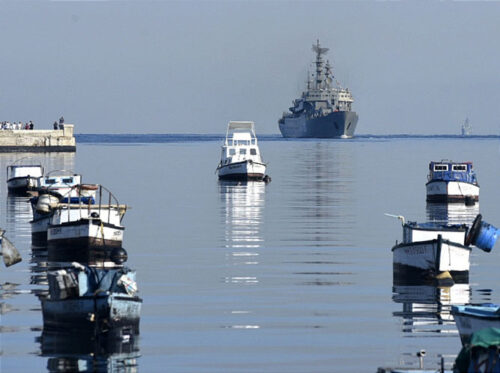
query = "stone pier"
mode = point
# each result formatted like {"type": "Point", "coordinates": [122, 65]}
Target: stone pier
{"type": "Point", "coordinates": [60, 140]}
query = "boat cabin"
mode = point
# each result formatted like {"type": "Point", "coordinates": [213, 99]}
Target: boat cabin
{"type": "Point", "coordinates": [240, 144]}
{"type": "Point", "coordinates": [59, 182]}
{"type": "Point", "coordinates": [451, 171]}
{"type": "Point", "coordinates": [415, 232]}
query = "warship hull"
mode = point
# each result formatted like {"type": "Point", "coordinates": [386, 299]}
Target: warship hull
{"type": "Point", "coordinates": [339, 124]}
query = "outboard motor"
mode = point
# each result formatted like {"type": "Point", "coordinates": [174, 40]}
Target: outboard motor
{"type": "Point", "coordinates": [482, 235]}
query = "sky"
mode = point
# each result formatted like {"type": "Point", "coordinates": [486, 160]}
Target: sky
{"type": "Point", "coordinates": [190, 67]}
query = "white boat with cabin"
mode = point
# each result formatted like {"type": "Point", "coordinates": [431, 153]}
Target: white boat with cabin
{"type": "Point", "coordinates": [22, 178]}
{"type": "Point", "coordinates": [240, 156]}
{"type": "Point", "coordinates": [452, 182]}
{"type": "Point", "coordinates": [431, 251]}
{"type": "Point", "coordinates": [86, 232]}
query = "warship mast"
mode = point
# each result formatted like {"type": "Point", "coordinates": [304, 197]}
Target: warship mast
{"type": "Point", "coordinates": [319, 63]}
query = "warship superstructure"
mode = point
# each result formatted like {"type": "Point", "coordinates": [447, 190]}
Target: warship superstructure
{"type": "Point", "coordinates": [324, 109]}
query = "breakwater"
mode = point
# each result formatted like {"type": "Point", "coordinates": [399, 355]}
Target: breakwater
{"type": "Point", "coordinates": [60, 140]}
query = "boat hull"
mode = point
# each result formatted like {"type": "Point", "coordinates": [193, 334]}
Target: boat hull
{"type": "Point", "coordinates": [39, 227]}
{"type": "Point", "coordinates": [84, 240]}
{"type": "Point", "coordinates": [423, 261]}
{"type": "Point", "coordinates": [21, 185]}
{"type": "Point", "coordinates": [470, 322]}
{"type": "Point", "coordinates": [245, 170]}
{"type": "Point", "coordinates": [451, 191]}
{"type": "Point", "coordinates": [88, 312]}
{"type": "Point", "coordinates": [339, 124]}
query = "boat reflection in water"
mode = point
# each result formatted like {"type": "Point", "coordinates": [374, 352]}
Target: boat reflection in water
{"type": "Point", "coordinates": [38, 268]}
{"type": "Point", "coordinates": [242, 212]}
{"type": "Point", "coordinates": [427, 308]}
{"type": "Point", "coordinates": [451, 213]}
{"type": "Point", "coordinates": [18, 217]}
{"type": "Point", "coordinates": [116, 350]}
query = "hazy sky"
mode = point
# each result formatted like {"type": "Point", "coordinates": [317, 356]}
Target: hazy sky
{"type": "Point", "coordinates": [190, 67]}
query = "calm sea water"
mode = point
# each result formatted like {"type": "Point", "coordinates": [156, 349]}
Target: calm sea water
{"type": "Point", "coordinates": [293, 276]}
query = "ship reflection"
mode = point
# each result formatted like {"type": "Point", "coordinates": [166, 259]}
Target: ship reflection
{"type": "Point", "coordinates": [321, 211]}
{"type": "Point", "coordinates": [426, 308]}
{"type": "Point", "coordinates": [452, 213]}
{"type": "Point", "coordinates": [114, 351]}
{"type": "Point", "coordinates": [242, 213]}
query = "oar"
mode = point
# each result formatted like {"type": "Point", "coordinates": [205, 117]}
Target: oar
{"type": "Point", "coordinates": [10, 254]}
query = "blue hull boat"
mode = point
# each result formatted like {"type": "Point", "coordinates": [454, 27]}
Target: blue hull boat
{"type": "Point", "coordinates": [471, 319]}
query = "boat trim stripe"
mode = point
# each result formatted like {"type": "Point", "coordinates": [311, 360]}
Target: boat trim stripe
{"type": "Point", "coordinates": [92, 221]}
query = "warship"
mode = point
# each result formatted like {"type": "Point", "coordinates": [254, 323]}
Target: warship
{"type": "Point", "coordinates": [324, 109]}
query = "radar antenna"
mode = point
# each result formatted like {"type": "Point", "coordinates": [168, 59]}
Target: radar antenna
{"type": "Point", "coordinates": [317, 48]}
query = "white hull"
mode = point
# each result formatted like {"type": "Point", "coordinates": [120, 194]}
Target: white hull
{"type": "Point", "coordinates": [430, 255]}
{"type": "Point", "coordinates": [245, 170]}
{"type": "Point", "coordinates": [85, 229]}
{"type": "Point", "coordinates": [41, 221]}
{"type": "Point", "coordinates": [451, 191]}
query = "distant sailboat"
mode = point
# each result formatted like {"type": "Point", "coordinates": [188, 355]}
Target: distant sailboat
{"type": "Point", "coordinates": [466, 128]}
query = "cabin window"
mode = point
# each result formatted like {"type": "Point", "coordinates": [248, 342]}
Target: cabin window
{"type": "Point", "coordinates": [67, 180]}
{"type": "Point", "coordinates": [50, 181]}
{"type": "Point", "coordinates": [232, 151]}
{"type": "Point", "coordinates": [460, 167]}
{"type": "Point", "coordinates": [253, 151]}
{"type": "Point", "coordinates": [243, 151]}
{"type": "Point", "coordinates": [440, 167]}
